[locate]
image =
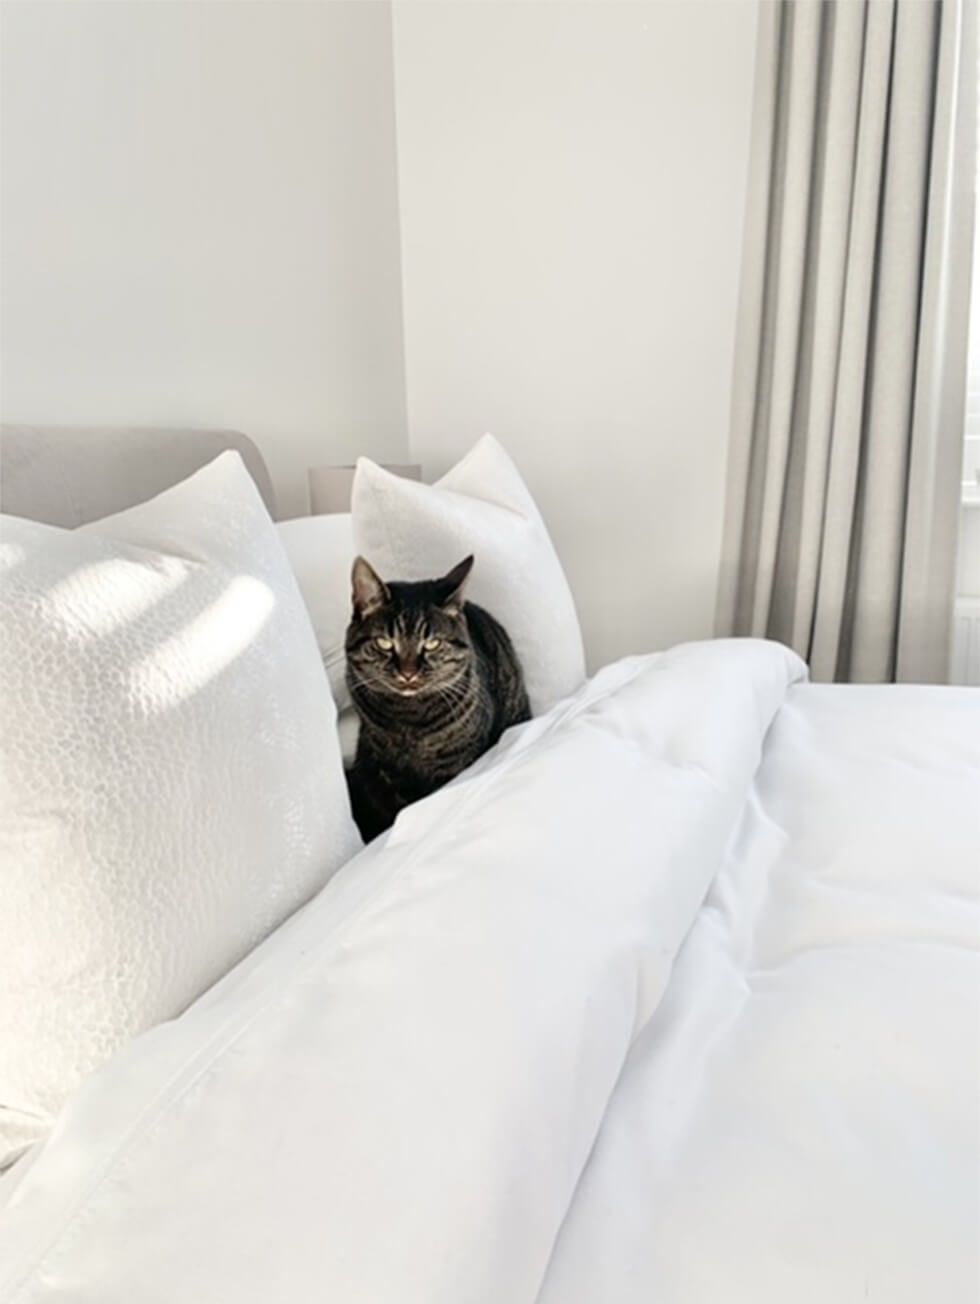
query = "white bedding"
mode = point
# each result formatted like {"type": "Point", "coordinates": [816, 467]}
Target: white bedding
{"type": "Point", "coordinates": [800, 1121]}
{"type": "Point", "coordinates": [620, 1015]}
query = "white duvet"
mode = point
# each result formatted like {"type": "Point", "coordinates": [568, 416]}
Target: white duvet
{"type": "Point", "coordinates": [673, 997]}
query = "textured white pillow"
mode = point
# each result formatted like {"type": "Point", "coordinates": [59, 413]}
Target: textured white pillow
{"type": "Point", "coordinates": [411, 531]}
{"type": "Point", "coordinates": [321, 551]}
{"type": "Point", "coordinates": [170, 776]}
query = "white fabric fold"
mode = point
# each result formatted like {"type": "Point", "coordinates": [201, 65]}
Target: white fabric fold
{"type": "Point", "coordinates": [393, 1099]}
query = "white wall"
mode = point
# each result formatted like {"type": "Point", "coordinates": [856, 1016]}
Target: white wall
{"type": "Point", "coordinates": [572, 182]}
{"type": "Point", "coordinates": [200, 223]}
{"type": "Point", "coordinates": [200, 226]}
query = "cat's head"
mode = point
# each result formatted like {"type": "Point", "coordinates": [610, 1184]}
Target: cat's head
{"type": "Point", "coordinates": [407, 639]}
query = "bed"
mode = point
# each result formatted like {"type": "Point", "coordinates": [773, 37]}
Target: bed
{"type": "Point", "coordinates": [675, 995]}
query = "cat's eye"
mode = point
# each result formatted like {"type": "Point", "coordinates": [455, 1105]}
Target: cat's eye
{"type": "Point", "coordinates": [385, 644]}
{"type": "Point", "coordinates": [431, 644]}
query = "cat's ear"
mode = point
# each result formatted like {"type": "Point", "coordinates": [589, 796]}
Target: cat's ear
{"type": "Point", "coordinates": [368, 590]}
{"type": "Point", "coordinates": [450, 588]}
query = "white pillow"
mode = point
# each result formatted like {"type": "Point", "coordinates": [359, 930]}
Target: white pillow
{"type": "Point", "coordinates": [411, 531]}
{"type": "Point", "coordinates": [170, 776]}
{"type": "Point", "coordinates": [321, 552]}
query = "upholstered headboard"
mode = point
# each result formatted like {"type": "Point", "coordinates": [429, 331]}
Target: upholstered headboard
{"type": "Point", "coordinates": [69, 475]}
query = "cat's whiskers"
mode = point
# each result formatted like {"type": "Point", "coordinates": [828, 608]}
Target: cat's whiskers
{"type": "Point", "coordinates": [455, 693]}
{"type": "Point", "coordinates": [374, 681]}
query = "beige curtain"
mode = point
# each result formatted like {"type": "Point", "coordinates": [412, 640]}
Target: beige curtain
{"type": "Point", "coordinates": [847, 424]}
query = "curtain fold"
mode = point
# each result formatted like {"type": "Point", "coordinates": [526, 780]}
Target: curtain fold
{"type": "Point", "coordinates": [847, 414]}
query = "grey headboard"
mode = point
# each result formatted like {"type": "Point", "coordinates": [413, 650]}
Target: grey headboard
{"type": "Point", "coordinates": [69, 475]}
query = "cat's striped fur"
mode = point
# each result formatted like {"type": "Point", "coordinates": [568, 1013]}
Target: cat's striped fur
{"type": "Point", "coordinates": [435, 681]}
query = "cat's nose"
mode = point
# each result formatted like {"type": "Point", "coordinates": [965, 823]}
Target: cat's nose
{"type": "Point", "coordinates": [407, 677]}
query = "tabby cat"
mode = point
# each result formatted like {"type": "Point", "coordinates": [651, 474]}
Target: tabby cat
{"type": "Point", "coordinates": [435, 681]}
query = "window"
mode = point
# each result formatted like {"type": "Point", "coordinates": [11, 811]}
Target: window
{"type": "Point", "coordinates": [966, 625]}
{"type": "Point", "coordinates": [971, 446]}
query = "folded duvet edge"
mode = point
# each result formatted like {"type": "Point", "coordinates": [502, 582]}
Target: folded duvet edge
{"type": "Point", "coordinates": [160, 1067]}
